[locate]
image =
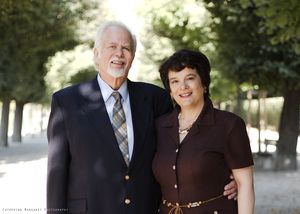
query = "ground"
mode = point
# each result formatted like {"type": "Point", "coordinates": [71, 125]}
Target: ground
{"type": "Point", "coordinates": [23, 182]}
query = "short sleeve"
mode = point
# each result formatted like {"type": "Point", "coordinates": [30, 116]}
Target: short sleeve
{"type": "Point", "coordinates": [238, 151]}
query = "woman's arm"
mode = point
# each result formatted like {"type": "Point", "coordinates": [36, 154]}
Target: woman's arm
{"type": "Point", "coordinates": [244, 180]}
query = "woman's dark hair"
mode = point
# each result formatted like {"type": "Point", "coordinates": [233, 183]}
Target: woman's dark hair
{"type": "Point", "coordinates": [187, 59]}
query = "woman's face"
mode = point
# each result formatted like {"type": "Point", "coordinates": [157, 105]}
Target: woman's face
{"type": "Point", "coordinates": [186, 87]}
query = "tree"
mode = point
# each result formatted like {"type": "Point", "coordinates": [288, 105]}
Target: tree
{"type": "Point", "coordinates": [7, 67]}
{"type": "Point", "coordinates": [274, 67]}
{"type": "Point", "coordinates": [242, 52]}
{"type": "Point", "coordinates": [280, 19]}
{"type": "Point", "coordinates": [174, 25]}
{"type": "Point", "coordinates": [83, 75]}
{"type": "Point", "coordinates": [32, 32]}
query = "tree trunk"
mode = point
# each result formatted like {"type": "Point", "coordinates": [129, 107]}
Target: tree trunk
{"type": "Point", "coordinates": [249, 97]}
{"type": "Point", "coordinates": [42, 118]}
{"type": "Point", "coordinates": [4, 123]}
{"type": "Point", "coordinates": [238, 108]}
{"type": "Point", "coordinates": [288, 132]}
{"type": "Point", "coordinates": [17, 132]}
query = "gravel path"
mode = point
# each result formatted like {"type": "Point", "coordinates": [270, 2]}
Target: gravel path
{"type": "Point", "coordinates": [277, 192]}
{"type": "Point", "coordinates": [23, 175]}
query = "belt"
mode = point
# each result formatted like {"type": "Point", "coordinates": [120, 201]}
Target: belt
{"type": "Point", "coordinates": [177, 208]}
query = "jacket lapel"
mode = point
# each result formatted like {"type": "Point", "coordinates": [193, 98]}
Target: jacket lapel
{"type": "Point", "coordinates": [141, 115]}
{"type": "Point", "coordinates": [95, 110]}
{"type": "Point", "coordinates": [170, 125]}
{"type": "Point", "coordinates": [205, 118]}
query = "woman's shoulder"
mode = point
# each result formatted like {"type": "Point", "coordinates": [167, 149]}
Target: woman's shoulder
{"type": "Point", "coordinates": [227, 117]}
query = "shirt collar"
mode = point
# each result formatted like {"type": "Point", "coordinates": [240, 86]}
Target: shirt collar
{"type": "Point", "coordinates": [106, 90]}
{"type": "Point", "coordinates": [206, 117]}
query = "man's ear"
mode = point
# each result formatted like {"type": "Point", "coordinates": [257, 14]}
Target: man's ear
{"type": "Point", "coordinates": [95, 57]}
{"type": "Point", "coordinates": [95, 52]}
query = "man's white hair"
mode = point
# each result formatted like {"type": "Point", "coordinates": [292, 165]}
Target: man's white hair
{"type": "Point", "coordinates": [107, 24]}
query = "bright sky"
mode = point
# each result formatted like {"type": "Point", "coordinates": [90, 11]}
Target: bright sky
{"type": "Point", "coordinates": [125, 11]}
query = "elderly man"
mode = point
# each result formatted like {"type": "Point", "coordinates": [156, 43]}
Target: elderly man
{"type": "Point", "coordinates": [101, 136]}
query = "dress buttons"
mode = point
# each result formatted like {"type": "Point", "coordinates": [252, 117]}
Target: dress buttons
{"type": "Point", "coordinates": [176, 150]}
{"type": "Point", "coordinates": [174, 167]}
{"type": "Point", "coordinates": [127, 201]}
{"type": "Point", "coordinates": [127, 177]}
{"type": "Point", "coordinates": [175, 186]}
{"type": "Point", "coordinates": [216, 212]}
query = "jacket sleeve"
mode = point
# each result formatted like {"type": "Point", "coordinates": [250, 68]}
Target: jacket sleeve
{"type": "Point", "coordinates": [58, 160]}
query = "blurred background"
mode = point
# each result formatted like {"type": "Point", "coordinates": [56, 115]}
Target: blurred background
{"type": "Point", "coordinates": [253, 46]}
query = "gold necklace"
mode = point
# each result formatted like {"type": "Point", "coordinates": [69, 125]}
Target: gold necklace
{"type": "Point", "coordinates": [187, 129]}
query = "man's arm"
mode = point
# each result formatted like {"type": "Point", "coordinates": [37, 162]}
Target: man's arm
{"type": "Point", "coordinates": [58, 161]}
{"type": "Point", "coordinates": [163, 103]}
{"type": "Point", "coordinates": [231, 190]}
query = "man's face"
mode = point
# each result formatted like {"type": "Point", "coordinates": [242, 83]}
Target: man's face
{"type": "Point", "coordinates": [114, 56]}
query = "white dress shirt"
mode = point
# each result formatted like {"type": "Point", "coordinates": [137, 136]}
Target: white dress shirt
{"type": "Point", "coordinates": [109, 101]}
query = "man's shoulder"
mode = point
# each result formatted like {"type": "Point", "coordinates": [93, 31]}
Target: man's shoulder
{"type": "Point", "coordinates": [74, 90]}
{"type": "Point", "coordinates": [147, 87]}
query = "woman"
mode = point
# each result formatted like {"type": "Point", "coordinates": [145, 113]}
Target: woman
{"type": "Point", "coordinates": [200, 146]}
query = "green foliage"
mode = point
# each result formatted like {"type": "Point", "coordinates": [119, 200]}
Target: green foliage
{"type": "Point", "coordinates": [31, 32]}
{"type": "Point", "coordinates": [280, 19]}
{"type": "Point", "coordinates": [245, 53]}
{"type": "Point", "coordinates": [239, 50]}
{"type": "Point", "coordinates": [174, 25]}
{"type": "Point", "coordinates": [235, 39]}
{"type": "Point", "coordinates": [221, 88]}
{"type": "Point", "coordinates": [83, 75]}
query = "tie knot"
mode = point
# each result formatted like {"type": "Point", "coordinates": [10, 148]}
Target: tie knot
{"type": "Point", "coordinates": [116, 95]}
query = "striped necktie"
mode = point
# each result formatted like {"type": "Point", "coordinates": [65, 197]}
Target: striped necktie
{"type": "Point", "coordinates": [119, 126]}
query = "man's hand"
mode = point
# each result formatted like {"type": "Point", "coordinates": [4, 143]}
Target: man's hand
{"type": "Point", "coordinates": [230, 190]}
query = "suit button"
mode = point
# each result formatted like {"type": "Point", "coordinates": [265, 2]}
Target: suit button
{"type": "Point", "coordinates": [127, 201]}
{"type": "Point", "coordinates": [175, 186]}
{"type": "Point", "coordinates": [176, 150]}
{"type": "Point", "coordinates": [174, 167]}
{"type": "Point", "coordinates": [215, 212]}
{"type": "Point", "coordinates": [127, 177]}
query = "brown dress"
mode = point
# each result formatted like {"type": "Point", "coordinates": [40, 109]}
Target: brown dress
{"type": "Point", "coordinates": [198, 168]}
